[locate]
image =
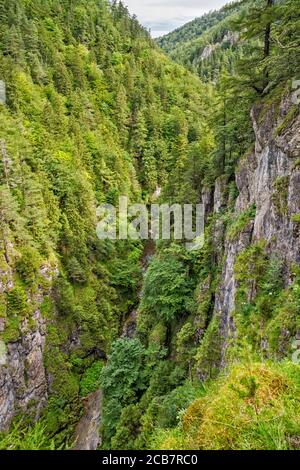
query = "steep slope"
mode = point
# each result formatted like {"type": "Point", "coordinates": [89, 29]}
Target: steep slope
{"type": "Point", "coordinates": [167, 347]}
{"type": "Point", "coordinates": [215, 360]}
{"type": "Point", "coordinates": [219, 41]}
{"type": "Point", "coordinates": [256, 310]}
{"type": "Point", "coordinates": [92, 110]}
{"type": "Point", "coordinates": [232, 306]}
{"type": "Point", "coordinates": [192, 30]}
{"type": "Point", "coordinates": [207, 44]}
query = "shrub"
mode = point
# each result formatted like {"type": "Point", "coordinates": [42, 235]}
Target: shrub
{"type": "Point", "coordinates": [77, 273]}
{"type": "Point", "coordinates": [27, 267]}
{"type": "Point", "coordinates": [166, 288]}
{"type": "Point", "coordinates": [122, 380]}
{"type": "Point", "coordinates": [240, 223]}
{"type": "Point", "coordinates": [17, 303]}
{"type": "Point", "coordinates": [296, 219]}
{"type": "Point", "coordinates": [34, 437]}
{"type": "Point", "coordinates": [280, 195]}
{"type": "Point", "coordinates": [209, 354]}
{"type": "Point", "coordinates": [90, 381]}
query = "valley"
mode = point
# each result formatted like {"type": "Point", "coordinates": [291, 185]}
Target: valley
{"type": "Point", "coordinates": [134, 344]}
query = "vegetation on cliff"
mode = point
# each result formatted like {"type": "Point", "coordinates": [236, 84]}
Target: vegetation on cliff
{"type": "Point", "coordinates": [95, 110]}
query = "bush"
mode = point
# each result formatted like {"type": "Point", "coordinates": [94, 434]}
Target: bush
{"type": "Point", "coordinates": [63, 295]}
{"type": "Point", "coordinates": [29, 264]}
{"type": "Point", "coordinates": [90, 381]}
{"type": "Point", "coordinates": [170, 406]}
{"type": "Point", "coordinates": [77, 273]}
{"type": "Point", "coordinates": [240, 223]}
{"type": "Point", "coordinates": [296, 219]}
{"type": "Point", "coordinates": [17, 302]}
{"type": "Point", "coordinates": [122, 380]}
{"type": "Point", "coordinates": [167, 288]}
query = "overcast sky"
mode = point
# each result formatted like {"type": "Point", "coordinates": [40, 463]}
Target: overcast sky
{"type": "Point", "coordinates": [163, 16]}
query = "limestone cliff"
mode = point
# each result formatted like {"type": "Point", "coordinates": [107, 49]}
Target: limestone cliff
{"type": "Point", "coordinates": [23, 380]}
{"type": "Point", "coordinates": [268, 178]}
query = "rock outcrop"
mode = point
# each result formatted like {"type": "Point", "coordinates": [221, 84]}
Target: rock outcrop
{"type": "Point", "coordinates": [23, 381]}
{"type": "Point", "coordinates": [87, 435]}
{"type": "Point", "coordinates": [269, 179]}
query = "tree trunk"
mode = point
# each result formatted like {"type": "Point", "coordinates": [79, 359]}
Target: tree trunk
{"type": "Point", "coordinates": [267, 47]}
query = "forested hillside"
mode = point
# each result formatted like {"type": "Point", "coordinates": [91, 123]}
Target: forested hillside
{"type": "Point", "coordinates": [191, 31]}
{"type": "Point", "coordinates": [220, 40]}
{"type": "Point", "coordinates": [93, 111]}
{"type": "Point", "coordinates": [209, 43]}
{"type": "Point", "coordinates": [166, 348]}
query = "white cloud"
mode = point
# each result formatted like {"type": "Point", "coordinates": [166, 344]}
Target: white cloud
{"type": "Point", "coordinates": [163, 16]}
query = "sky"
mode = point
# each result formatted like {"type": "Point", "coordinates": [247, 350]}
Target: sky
{"type": "Point", "coordinates": [163, 16]}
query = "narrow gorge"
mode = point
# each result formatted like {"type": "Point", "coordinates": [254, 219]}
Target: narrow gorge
{"type": "Point", "coordinates": [144, 344]}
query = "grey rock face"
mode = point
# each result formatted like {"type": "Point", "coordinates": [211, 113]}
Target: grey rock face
{"type": "Point", "coordinates": [130, 325]}
{"type": "Point", "coordinates": [207, 51]}
{"type": "Point", "coordinates": [23, 382]}
{"type": "Point", "coordinates": [87, 436]}
{"type": "Point", "coordinates": [22, 377]}
{"type": "Point", "coordinates": [207, 200]}
{"type": "Point", "coordinates": [268, 177]}
{"type": "Point", "coordinates": [225, 296]}
{"type": "Point", "coordinates": [275, 184]}
{"type": "Point", "coordinates": [220, 196]}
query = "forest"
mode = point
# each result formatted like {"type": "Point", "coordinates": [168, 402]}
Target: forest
{"type": "Point", "coordinates": [171, 349]}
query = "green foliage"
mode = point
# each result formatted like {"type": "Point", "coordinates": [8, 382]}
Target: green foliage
{"type": "Point", "coordinates": [22, 437]}
{"type": "Point", "coordinates": [168, 409]}
{"type": "Point", "coordinates": [126, 274]}
{"type": "Point", "coordinates": [291, 115]}
{"type": "Point", "coordinates": [296, 219]}
{"type": "Point", "coordinates": [191, 30]}
{"type": "Point", "coordinates": [240, 223]}
{"type": "Point", "coordinates": [269, 46]}
{"type": "Point", "coordinates": [280, 195]}
{"type": "Point", "coordinates": [63, 296]}
{"type": "Point", "coordinates": [90, 381]}
{"type": "Point", "coordinates": [94, 111]}
{"type": "Point", "coordinates": [29, 264]}
{"type": "Point", "coordinates": [187, 44]}
{"type": "Point", "coordinates": [284, 324]}
{"type": "Point", "coordinates": [247, 388]}
{"type": "Point", "coordinates": [17, 302]}
{"type": "Point", "coordinates": [185, 342]}
{"type": "Point", "coordinates": [167, 287]}
{"type": "Point", "coordinates": [263, 305]}
{"type": "Point", "coordinates": [209, 353]}
{"type": "Point", "coordinates": [250, 269]}
{"type": "Point", "coordinates": [253, 407]}
{"type": "Point", "coordinates": [128, 428]}
{"type": "Point", "coordinates": [122, 380]}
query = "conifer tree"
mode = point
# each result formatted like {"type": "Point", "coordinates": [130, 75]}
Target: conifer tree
{"type": "Point", "coordinates": [257, 29]}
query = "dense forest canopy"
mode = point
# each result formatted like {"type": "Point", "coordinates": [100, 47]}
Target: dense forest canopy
{"type": "Point", "coordinates": [95, 110]}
